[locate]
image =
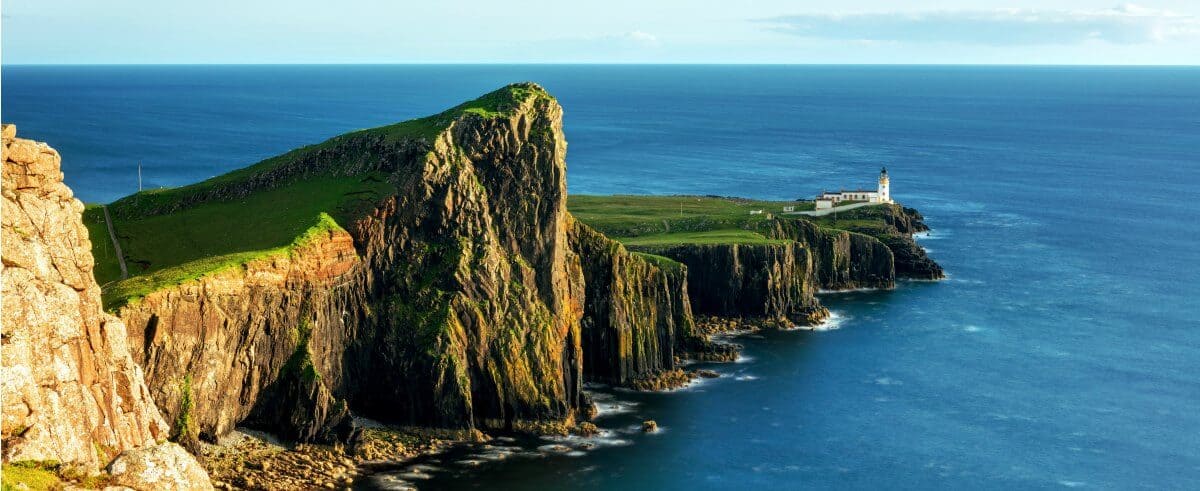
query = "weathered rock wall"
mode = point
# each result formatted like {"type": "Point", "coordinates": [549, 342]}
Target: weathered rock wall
{"type": "Point", "coordinates": [212, 347]}
{"type": "Point", "coordinates": [911, 259]}
{"type": "Point", "coordinates": [771, 281]}
{"type": "Point", "coordinates": [474, 293]}
{"type": "Point", "coordinates": [637, 315]}
{"type": "Point", "coordinates": [455, 303]}
{"type": "Point", "coordinates": [841, 260]}
{"type": "Point", "coordinates": [891, 224]}
{"type": "Point", "coordinates": [72, 392]}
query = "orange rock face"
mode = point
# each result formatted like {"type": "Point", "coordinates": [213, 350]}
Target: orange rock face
{"type": "Point", "coordinates": [71, 391]}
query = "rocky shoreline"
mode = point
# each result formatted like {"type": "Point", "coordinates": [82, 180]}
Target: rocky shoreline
{"type": "Point", "coordinates": [254, 461]}
{"type": "Point", "coordinates": [249, 460]}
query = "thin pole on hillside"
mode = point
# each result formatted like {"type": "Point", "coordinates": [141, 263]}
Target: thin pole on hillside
{"type": "Point", "coordinates": [139, 176]}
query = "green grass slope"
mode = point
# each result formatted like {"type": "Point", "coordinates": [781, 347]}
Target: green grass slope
{"type": "Point", "coordinates": [202, 234]}
{"type": "Point", "coordinates": [668, 220]}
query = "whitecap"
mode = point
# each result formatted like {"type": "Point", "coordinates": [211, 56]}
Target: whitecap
{"type": "Point", "coordinates": [607, 405]}
{"type": "Point", "coordinates": [391, 482]}
{"type": "Point", "coordinates": [414, 474]}
{"type": "Point", "coordinates": [834, 321]}
{"type": "Point", "coordinates": [554, 448]}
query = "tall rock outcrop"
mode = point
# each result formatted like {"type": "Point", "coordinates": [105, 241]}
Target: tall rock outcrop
{"type": "Point", "coordinates": [71, 391]}
{"type": "Point", "coordinates": [475, 295]}
{"type": "Point", "coordinates": [774, 281]}
{"type": "Point", "coordinates": [842, 260]}
{"type": "Point", "coordinates": [455, 301]}
{"type": "Point", "coordinates": [890, 224]}
{"type": "Point", "coordinates": [637, 315]}
{"type": "Point", "coordinates": [213, 347]}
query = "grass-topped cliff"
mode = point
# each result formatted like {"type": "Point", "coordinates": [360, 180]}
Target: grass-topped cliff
{"type": "Point", "coordinates": [705, 220]}
{"type": "Point", "coordinates": [751, 257]}
{"type": "Point", "coordinates": [432, 265]}
{"type": "Point", "coordinates": [429, 273]}
{"type": "Point", "coordinates": [172, 235]}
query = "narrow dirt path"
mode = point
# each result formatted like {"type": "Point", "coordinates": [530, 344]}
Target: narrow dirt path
{"type": "Point", "coordinates": [116, 245]}
{"type": "Point", "coordinates": [821, 213]}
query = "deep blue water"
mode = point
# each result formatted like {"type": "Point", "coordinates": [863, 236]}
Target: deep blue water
{"type": "Point", "coordinates": [1063, 351]}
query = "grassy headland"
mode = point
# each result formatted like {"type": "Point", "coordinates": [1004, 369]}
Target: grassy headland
{"type": "Point", "coordinates": [173, 235]}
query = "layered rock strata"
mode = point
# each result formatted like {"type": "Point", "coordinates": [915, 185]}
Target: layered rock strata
{"type": "Point", "coordinates": [637, 313]}
{"type": "Point", "coordinates": [458, 302]}
{"type": "Point", "coordinates": [72, 393]}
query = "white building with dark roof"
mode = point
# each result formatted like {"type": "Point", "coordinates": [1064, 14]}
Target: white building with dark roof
{"type": "Point", "coordinates": [882, 194]}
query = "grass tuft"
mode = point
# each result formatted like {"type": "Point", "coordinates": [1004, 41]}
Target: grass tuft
{"type": "Point", "coordinates": [34, 475]}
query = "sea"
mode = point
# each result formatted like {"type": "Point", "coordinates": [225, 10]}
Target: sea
{"type": "Point", "coordinates": [1062, 351]}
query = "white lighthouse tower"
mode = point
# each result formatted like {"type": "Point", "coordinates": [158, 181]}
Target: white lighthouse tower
{"type": "Point", "coordinates": [885, 192]}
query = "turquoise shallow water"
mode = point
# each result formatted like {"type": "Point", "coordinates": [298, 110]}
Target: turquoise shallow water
{"type": "Point", "coordinates": [1061, 352]}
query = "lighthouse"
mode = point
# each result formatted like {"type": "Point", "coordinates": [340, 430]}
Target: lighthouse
{"type": "Point", "coordinates": [885, 193]}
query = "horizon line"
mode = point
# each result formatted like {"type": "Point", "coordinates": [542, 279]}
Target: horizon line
{"type": "Point", "coordinates": [585, 63]}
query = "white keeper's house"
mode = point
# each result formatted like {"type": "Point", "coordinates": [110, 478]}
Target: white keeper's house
{"type": "Point", "coordinates": [883, 194]}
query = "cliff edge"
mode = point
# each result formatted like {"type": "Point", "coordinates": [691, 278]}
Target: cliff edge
{"type": "Point", "coordinates": [72, 393]}
{"type": "Point", "coordinates": [424, 273]}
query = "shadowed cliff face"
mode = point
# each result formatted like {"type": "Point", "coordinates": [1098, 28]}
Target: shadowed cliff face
{"type": "Point", "coordinates": [72, 393]}
{"type": "Point", "coordinates": [894, 226]}
{"type": "Point", "coordinates": [638, 315]}
{"type": "Point", "coordinates": [778, 281]}
{"type": "Point", "coordinates": [841, 260]}
{"type": "Point", "coordinates": [221, 341]}
{"type": "Point", "coordinates": [475, 298]}
{"type": "Point", "coordinates": [771, 281]}
{"type": "Point", "coordinates": [456, 302]}
{"type": "Point", "coordinates": [911, 259]}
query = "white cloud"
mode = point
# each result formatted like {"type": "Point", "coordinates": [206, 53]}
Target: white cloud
{"type": "Point", "coordinates": [1126, 24]}
{"type": "Point", "coordinates": [640, 37]}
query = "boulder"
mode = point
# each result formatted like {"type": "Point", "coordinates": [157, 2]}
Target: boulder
{"type": "Point", "coordinates": [165, 467]}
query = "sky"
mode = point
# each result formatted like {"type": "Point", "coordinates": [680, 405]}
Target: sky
{"type": "Point", "coordinates": [1153, 32]}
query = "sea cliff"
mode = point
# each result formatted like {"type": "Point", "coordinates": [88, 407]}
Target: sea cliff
{"type": "Point", "coordinates": [423, 274]}
{"type": "Point", "coordinates": [464, 297]}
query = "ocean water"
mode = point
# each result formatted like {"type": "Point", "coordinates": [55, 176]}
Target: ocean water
{"type": "Point", "coordinates": [1063, 350]}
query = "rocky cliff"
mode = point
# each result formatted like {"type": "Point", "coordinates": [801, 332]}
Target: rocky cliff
{"type": "Point", "coordinates": [637, 314]}
{"type": "Point", "coordinates": [842, 260]}
{"type": "Point", "coordinates": [445, 285]}
{"type": "Point", "coordinates": [894, 226]}
{"type": "Point", "coordinates": [468, 298]}
{"type": "Point", "coordinates": [213, 347]}
{"type": "Point", "coordinates": [72, 393]}
{"type": "Point", "coordinates": [776, 280]}
{"type": "Point", "coordinates": [911, 259]}
{"type": "Point", "coordinates": [773, 281]}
